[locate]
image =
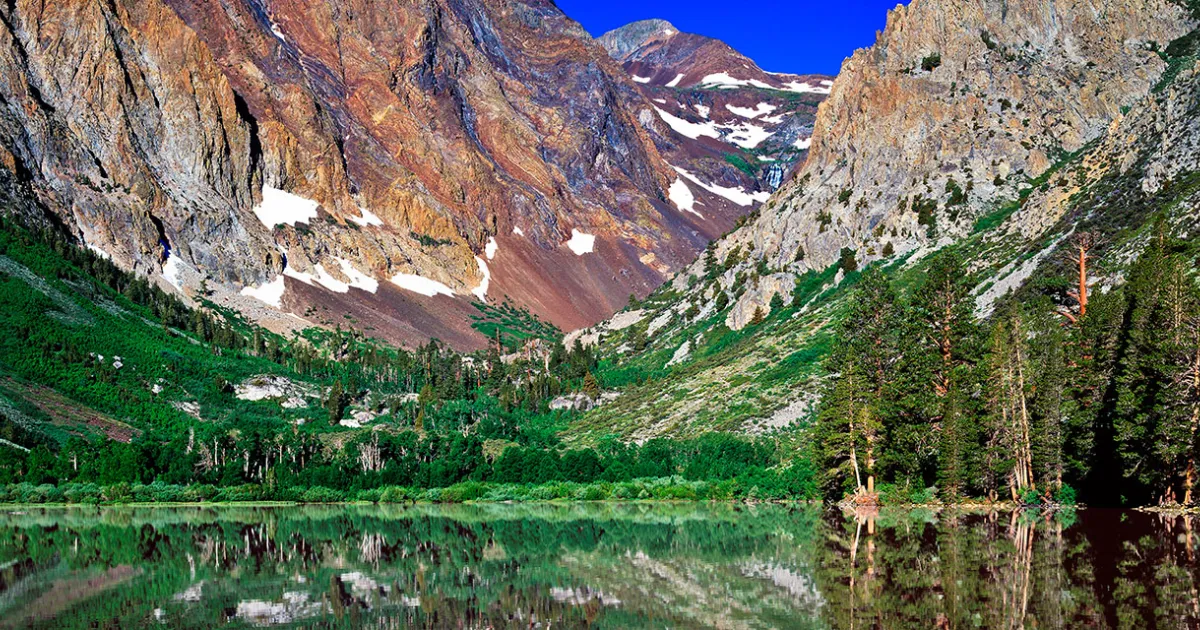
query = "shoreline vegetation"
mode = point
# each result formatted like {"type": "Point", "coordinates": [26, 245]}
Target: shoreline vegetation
{"type": "Point", "coordinates": [657, 490]}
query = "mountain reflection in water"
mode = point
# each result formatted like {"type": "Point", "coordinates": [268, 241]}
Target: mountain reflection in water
{"type": "Point", "coordinates": [602, 565]}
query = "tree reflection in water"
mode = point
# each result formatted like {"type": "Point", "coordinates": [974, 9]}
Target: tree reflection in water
{"type": "Point", "coordinates": [605, 566]}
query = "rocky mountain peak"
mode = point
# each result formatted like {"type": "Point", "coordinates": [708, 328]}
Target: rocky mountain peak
{"type": "Point", "coordinates": [390, 164]}
{"type": "Point", "coordinates": [626, 40]}
{"type": "Point", "coordinates": [731, 131]}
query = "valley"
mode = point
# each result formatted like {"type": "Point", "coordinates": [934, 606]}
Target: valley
{"type": "Point", "coordinates": [374, 283]}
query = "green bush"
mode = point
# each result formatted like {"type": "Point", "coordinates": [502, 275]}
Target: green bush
{"type": "Point", "coordinates": [318, 494]}
{"type": "Point", "coordinates": [118, 493]}
{"type": "Point", "coordinates": [372, 495]}
{"type": "Point", "coordinates": [82, 493]}
{"type": "Point", "coordinates": [246, 492]}
{"type": "Point", "coordinates": [396, 494]}
{"type": "Point", "coordinates": [1065, 495]}
{"type": "Point", "coordinates": [200, 493]}
{"type": "Point", "coordinates": [462, 492]}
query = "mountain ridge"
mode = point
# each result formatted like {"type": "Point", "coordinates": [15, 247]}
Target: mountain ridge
{"type": "Point", "coordinates": [415, 158]}
{"type": "Point", "coordinates": [773, 288]}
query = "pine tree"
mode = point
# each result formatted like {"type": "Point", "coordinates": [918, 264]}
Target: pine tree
{"type": "Point", "coordinates": [857, 405]}
{"type": "Point", "coordinates": [941, 335]}
{"type": "Point", "coordinates": [1153, 440]}
{"type": "Point", "coordinates": [1009, 453]}
{"type": "Point", "coordinates": [591, 387]}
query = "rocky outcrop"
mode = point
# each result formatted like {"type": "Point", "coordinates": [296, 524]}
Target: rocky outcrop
{"type": "Point", "coordinates": [713, 112]}
{"type": "Point", "coordinates": [957, 107]}
{"type": "Point", "coordinates": [474, 149]}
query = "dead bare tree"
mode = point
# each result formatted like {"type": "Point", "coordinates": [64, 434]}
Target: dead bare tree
{"type": "Point", "coordinates": [1082, 245]}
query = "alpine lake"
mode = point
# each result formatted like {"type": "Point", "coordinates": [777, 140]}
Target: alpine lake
{"type": "Point", "coordinates": [642, 565]}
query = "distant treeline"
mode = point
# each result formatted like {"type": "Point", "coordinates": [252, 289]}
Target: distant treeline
{"type": "Point", "coordinates": [405, 466]}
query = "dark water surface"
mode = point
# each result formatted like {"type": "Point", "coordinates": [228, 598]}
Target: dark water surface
{"type": "Point", "coordinates": [604, 566]}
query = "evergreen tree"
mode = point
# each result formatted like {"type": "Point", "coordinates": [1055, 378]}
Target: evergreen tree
{"type": "Point", "coordinates": [591, 387]}
{"type": "Point", "coordinates": [857, 403]}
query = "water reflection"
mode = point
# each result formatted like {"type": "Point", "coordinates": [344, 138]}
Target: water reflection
{"type": "Point", "coordinates": [604, 566]}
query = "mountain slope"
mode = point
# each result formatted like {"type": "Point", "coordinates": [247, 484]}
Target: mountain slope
{"type": "Point", "coordinates": [734, 341]}
{"type": "Point", "coordinates": [461, 149]}
{"type": "Point", "coordinates": [717, 115]}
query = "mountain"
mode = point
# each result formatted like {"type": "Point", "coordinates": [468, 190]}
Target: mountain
{"type": "Point", "coordinates": [991, 129]}
{"type": "Point", "coordinates": [730, 123]}
{"type": "Point", "coordinates": [381, 166]}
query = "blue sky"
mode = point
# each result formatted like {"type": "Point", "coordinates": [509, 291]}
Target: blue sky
{"type": "Point", "coordinates": [800, 36]}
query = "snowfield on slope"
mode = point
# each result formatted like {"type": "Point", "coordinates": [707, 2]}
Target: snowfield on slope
{"type": "Point", "coordinates": [280, 207]}
{"type": "Point", "coordinates": [736, 195]}
{"type": "Point", "coordinates": [682, 197]}
{"type": "Point", "coordinates": [422, 285]}
{"type": "Point", "coordinates": [270, 293]}
{"type": "Point", "coordinates": [581, 242]}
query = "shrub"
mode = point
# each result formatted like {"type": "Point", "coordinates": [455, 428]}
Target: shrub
{"type": "Point", "coordinates": [847, 261]}
{"type": "Point", "coordinates": [597, 492]}
{"type": "Point", "coordinates": [462, 492]}
{"type": "Point", "coordinates": [1065, 495]}
{"type": "Point", "coordinates": [931, 61]}
{"type": "Point", "coordinates": [319, 494]}
{"type": "Point", "coordinates": [551, 491]}
{"type": "Point", "coordinates": [246, 492]}
{"type": "Point", "coordinates": [200, 493]}
{"type": "Point", "coordinates": [118, 493]}
{"type": "Point", "coordinates": [676, 492]}
{"type": "Point", "coordinates": [371, 495]}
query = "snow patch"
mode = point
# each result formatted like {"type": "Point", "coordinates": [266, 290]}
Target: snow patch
{"type": "Point", "coordinates": [280, 207]}
{"type": "Point", "coordinates": [682, 197]}
{"type": "Point", "coordinates": [518, 231]}
{"type": "Point", "coordinates": [270, 293]}
{"type": "Point", "coordinates": [746, 135]}
{"type": "Point", "coordinates": [418, 284]}
{"type": "Point", "coordinates": [745, 112]}
{"type": "Point", "coordinates": [689, 129]}
{"type": "Point", "coordinates": [481, 290]}
{"type": "Point", "coordinates": [581, 243]}
{"type": "Point", "coordinates": [367, 218]}
{"type": "Point", "coordinates": [724, 80]}
{"type": "Point", "coordinates": [638, 79]}
{"type": "Point", "coordinates": [736, 195]}
{"type": "Point", "coordinates": [172, 272]}
{"type": "Point", "coordinates": [490, 249]}
{"type": "Point", "coordinates": [675, 82]}
{"type": "Point", "coordinates": [329, 282]}
{"type": "Point", "coordinates": [99, 252]}
{"type": "Point", "coordinates": [805, 87]}
{"type": "Point", "coordinates": [358, 279]}
{"type": "Point", "coordinates": [275, 30]}
{"type": "Point", "coordinates": [703, 110]}
{"type": "Point", "coordinates": [803, 143]}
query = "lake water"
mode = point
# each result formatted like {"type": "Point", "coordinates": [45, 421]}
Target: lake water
{"type": "Point", "coordinates": [602, 566]}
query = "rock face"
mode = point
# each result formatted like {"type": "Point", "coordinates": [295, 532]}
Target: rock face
{"type": "Point", "coordinates": [716, 115]}
{"type": "Point", "coordinates": [313, 152]}
{"type": "Point", "coordinates": [954, 110]}
{"type": "Point", "coordinates": [1134, 177]}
